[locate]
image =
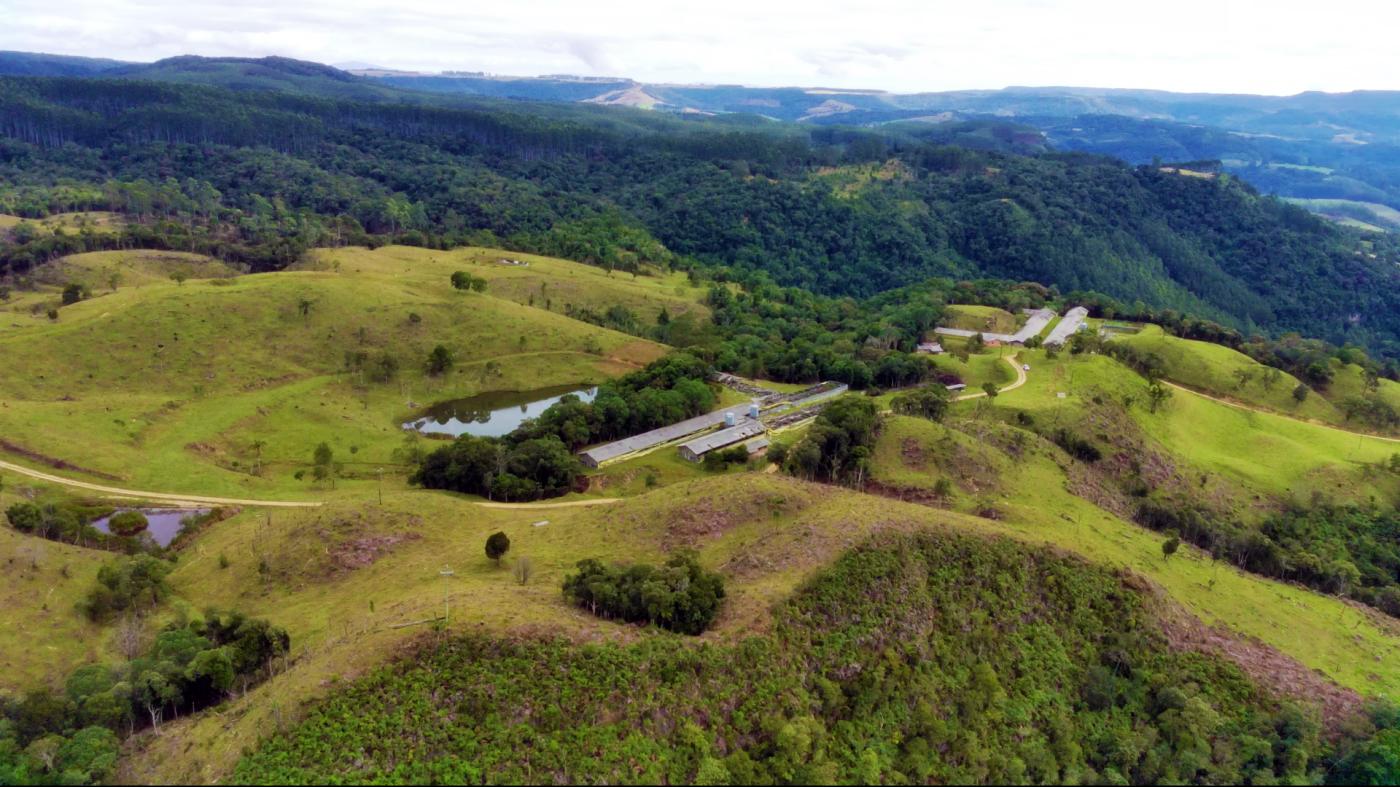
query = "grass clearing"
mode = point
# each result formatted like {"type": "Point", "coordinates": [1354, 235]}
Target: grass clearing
{"type": "Point", "coordinates": [980, 318]}
{"type": "Point", "coordinates": [225, 385]}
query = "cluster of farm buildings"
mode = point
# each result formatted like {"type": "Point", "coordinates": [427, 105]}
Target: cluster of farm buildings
{"type": "Point", "coordinates": [748, 425]}
{"type": "Point", "coordinates": [1036, 321]}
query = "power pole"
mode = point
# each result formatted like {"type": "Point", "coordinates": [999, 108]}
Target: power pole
{"type": "Point", "coordinates": [446, 573]}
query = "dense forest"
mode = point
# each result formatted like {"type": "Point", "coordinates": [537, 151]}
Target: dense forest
{"type": "Point", "coordinates": [258, 177]}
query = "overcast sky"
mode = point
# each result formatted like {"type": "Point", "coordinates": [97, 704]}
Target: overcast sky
{"type": "Point", "coordinates": [1254, 46]}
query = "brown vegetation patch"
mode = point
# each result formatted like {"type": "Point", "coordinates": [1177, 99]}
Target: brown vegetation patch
{"type": "Point", "coordinates": [705, 518]}
{"type": "Point", "coordinates": [332, 543]}
{"type": "Point", "coordinates": [912, 452]}
{"type": "Point", "coordinates": [1135, 463]}
{"type": "Point", "coordinates": [1279, 673]}
{"type": "Point", "coordinates": [361, 552]}
{"type": "Point", "coordinates": [1090, 483]}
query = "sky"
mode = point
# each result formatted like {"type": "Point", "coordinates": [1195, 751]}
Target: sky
{"type": "Point", "coordinates": [1243, 46]}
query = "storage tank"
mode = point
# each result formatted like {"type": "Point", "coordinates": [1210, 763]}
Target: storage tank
{"type": "Point", "coordinates": [728, 419]}
{"type": "Point", "coordinates": [753, 410]}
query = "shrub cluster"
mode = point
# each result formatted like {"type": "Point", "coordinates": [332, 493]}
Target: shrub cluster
{"type": "Point", "coordinates": [679, 596]}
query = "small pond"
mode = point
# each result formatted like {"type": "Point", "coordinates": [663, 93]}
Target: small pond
{"type": "Point", "coordinates": [492, 414]}
{"type": "Point", "coordinates": [165, 522]}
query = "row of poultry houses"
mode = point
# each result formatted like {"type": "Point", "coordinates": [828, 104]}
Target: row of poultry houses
{"type": "Point", "coordinates": [1037, 320]}
{"type": "Point", "coordinates": [723, 428]}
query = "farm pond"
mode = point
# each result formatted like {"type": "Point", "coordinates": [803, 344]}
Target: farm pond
{"type": "Point", "coordinates": [165, 523]}
{"type": "Point", "coordinates": [492, 414]}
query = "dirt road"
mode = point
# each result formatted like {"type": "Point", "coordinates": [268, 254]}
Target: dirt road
{"type": "Point", "coordinates": [1267, 411]}
{"type": "Point", "coordinates": [204, 500]}
{"type": "Point", "coordinates": [1020, 381]}
{"type": "Point", "coordinates": [163, 497]}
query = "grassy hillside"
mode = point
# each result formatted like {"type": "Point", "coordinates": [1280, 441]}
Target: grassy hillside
{"type": "Point", "coordinates": [340, 577]}
{"type": "Point", "coordinates": [173, 386]}
{"type": "Point", "coordinates": [44, 633]}
{"type": "Point", "coordinates": [860, 679]}
{"type": "Point", "coordinates": [1033, 501]}
{"type": "Point", "coordinates": [1224, 372]}
{"type": "Point", "coordinates": [980, 318]}
{"type": "Point", "coordinates": [540, 279]}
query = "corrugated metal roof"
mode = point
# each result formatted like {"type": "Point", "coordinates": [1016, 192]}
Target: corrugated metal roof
{"type": "Point", "coordinates": [757, 444]}
{"type": "Point", "coordinates": [709, 442]}
{"type": "Point", "coordinates": [609, 451]}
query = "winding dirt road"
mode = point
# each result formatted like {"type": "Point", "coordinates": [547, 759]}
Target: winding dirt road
{"type": "Point", "coordinates": [1266, 411]}
{"type": "Point", "coordinates": [205, 500]}
{"type": "Point", "coordinates": [157, 496]}
{"type": "Point", "coordinates": [1020, 381]}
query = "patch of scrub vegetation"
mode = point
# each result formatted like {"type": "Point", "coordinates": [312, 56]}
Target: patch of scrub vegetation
{"type": "Point", "coordinates": [980, 318]}
{"type": "Point", "coordinates": [941, 462]}
{"type": "Point", "coordinates": [109, 271]}
{"type": "Point", "coordinates": [860, 680]}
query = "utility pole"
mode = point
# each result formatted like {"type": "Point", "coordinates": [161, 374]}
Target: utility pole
{"type": "Point", "coordinates": [446, 573]}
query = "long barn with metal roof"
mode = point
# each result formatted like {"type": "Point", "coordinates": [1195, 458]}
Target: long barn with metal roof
{"type": "Point", "coordinates": [607, 452]}
{"type": "Point", "coordinates": [696, 449]}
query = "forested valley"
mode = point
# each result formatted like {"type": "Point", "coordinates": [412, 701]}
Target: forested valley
{"type": "Point", "coordinates": [257, 178]}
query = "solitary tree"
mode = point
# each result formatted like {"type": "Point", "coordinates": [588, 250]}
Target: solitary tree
{"type": "Point", "coordinates": [1170, 546]}
{"type": "Point", "coordinates": [179, 277]}
{"type": "Point", "coordinates": [439, 361]}
{"type": "Point", "coordinates": [1300, 393]}
{"type": "Point", "coordinates": [304, 306]}
{"type": "Point", "coordinates": [497, 546]}
{"type": "Point", "coordinates": [990, 389]}
{"type": "Point", "coordinates": [462, 280]}
{"type": "Point", "coordinates": [1157, 395]}
{"type": "Point", "coordinates": [73, 293]}
{"type": "Point", "coordinates": [323, 460]}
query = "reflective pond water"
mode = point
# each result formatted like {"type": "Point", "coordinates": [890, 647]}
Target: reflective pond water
{"type": "Point", "coordinates": [493, 414]}
{"type": "Point", "coordinates": [164, 522]}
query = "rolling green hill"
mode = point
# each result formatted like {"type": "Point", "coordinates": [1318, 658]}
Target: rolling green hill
{"type": "Point", "coordinates": [226, 383]}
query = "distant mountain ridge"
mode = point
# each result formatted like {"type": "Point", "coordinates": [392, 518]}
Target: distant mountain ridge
{"type": "Point", "coordinates": [1308, 146]}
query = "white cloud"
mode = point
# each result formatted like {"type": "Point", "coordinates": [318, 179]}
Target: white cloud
{"type": "Point", "coordinates": [1280, 46]}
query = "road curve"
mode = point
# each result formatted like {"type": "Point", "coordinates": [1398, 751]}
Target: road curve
{"type": "Point", "coordinates": [1020, 381]}
{"type": "Point", "coordinates": [1267, 411]}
